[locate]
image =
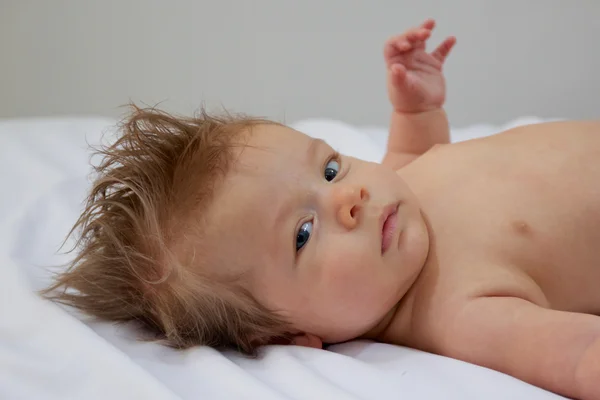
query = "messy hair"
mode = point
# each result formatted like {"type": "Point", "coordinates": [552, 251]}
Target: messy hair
{"type": "Point", "coordinates": [146, 208]}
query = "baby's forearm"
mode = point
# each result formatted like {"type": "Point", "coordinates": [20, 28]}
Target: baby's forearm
{"type": "Point", "coordinates": [415, 133]}
{"type": "Point", "coordinates": [587, 376]}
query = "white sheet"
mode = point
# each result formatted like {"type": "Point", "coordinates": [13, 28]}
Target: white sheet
{"type": "Point", "coordinates": [45, 352]}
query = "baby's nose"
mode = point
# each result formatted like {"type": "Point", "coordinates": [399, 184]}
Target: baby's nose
{"type": "Point", "coordinates": [349, 202]}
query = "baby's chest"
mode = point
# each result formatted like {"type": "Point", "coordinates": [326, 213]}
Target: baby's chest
{"type": "Point", "coordinates": [527, 201]}
{"type": "Point", "coordinates": [540, 223]}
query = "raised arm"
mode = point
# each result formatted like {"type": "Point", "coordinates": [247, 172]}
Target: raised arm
{"type": "Point", "coordinates": [417, 92]}
{"type": "Point", "coordinates": [555, 350]}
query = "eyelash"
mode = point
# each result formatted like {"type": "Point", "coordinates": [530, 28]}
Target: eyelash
{"type": "Point", "coordinates": [335, 156]}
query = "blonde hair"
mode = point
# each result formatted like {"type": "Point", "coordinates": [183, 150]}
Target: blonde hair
{"type": "Point", "coordinates": [152, 188]}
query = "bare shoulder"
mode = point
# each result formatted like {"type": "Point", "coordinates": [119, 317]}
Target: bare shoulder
{"type": "Point", "coordinates": [559, 129]}
{"type": "Point", "coordinates": [398, 161]}
{"type": "Point", "coordinates": [457, 158]}
{"type": "Point", "coordinates": [558, 124]}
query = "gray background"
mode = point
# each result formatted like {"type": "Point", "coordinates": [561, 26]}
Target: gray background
{"type": "Point", "coordinates": [293, 59]}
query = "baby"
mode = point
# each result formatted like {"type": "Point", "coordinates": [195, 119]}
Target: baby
{"type": "Point", "coordinates": [236, 232]}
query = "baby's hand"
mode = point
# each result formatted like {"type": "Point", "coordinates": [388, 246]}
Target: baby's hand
{"type": "Point", "coordinates": [414, 77]}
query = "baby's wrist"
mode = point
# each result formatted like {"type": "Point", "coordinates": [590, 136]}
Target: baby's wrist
{"type": "Point", "coordinates": [416, 109]}
{"type": "Point", "coordinates": [419, 114]}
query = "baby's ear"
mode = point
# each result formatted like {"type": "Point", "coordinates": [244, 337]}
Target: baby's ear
{"type": "Point", "coordinates": [307, 340]}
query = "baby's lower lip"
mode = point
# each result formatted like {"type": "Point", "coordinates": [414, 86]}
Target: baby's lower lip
{"type": "Point", "coordinates": [387, 233]}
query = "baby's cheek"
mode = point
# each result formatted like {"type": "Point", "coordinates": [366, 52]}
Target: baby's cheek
{"type": "Point", "coordinates": [350, 282]}
{"type": "Point", "coordinates": [343, 267]}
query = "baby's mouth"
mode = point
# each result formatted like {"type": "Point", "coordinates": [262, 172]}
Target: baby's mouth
{"type": "Point", "coordinates": [388, 227]}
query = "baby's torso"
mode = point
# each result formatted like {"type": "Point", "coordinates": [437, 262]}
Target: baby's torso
{"type": "Point", "coordinates": [515, 214]}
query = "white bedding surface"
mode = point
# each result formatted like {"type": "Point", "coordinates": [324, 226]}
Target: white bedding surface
{"type": "Point", "coordinates": [48, 353]}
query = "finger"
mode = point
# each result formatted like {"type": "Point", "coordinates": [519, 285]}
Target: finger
{"type": "Point", "coordinates": [398, 72]}
{"type": "Point", "coordinates": [406, 41]}
{"type": "Point", "coordinates": [414, 38]}
{"type": "Point", "coordinates": [403, 45]}
{"type": "Point", "coordinates": [395, 45]}
{"type": "Point", "coordinates": [428, 24]}
{"type": "Point", "coordinates": [417, 35]}
{"type": "Point", "coordinates": [444, 48]}
{"type": "Point", "coordinates": [390, 50]}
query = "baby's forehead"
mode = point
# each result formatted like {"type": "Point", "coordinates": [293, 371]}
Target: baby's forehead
{"type": "Point", "coordinates": [269, 149]}
{"type": "Point", "coordinates": [268, 142]}
{"type": "Point", "coordinates": [278, 136]}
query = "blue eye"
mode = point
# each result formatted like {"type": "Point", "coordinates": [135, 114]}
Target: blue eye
{"type": "Point", "coordinates": [303, 234]}
{"type": "Point", "coordinates": [331, 170]}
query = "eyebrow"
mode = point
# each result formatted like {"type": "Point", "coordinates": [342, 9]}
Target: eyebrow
{"type": "Point", "coordinates": [312, 151]}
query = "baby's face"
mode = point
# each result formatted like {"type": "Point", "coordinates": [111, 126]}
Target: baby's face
{"type": "Point", "coordinates": [331, 242]}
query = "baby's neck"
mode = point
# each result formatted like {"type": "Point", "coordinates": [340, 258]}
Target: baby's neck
{"type": "Point", "coordinates": [386, 329]}
{"type": "Point", "coordinates": [379, 330]}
